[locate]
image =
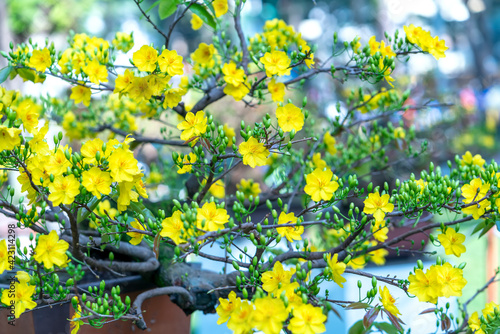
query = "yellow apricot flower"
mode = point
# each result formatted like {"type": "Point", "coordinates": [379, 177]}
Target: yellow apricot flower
{"type": "Point", "coordinates": [172, 97]}
{"type": "Point", "coordinates": [28, 111]}
{"type": "Point", "coordinates": [4, 256]}
{"type": "Point", "coordinates": [187, 163]}
{"type": "Point", "coordinates": [475, 190]}
{"type": "Point", "coordinates": [277, 280]}
{"type": "Point", "coordinates": [451, 280]}
{"type": "Point", "coordinates": [123, 41]}
{"type": "Point", "coordinates": [469, 160]}
{"type": "Point", "coordinates": [9, 138]}
{"type": "Point", "coordinates": [378, 256]}
{"type": "Point", "coordinates": [319, 185]}
{"type": "Point", "coordinates": [145, 58]}
{"type": "Point", "coordinates": [329, 141]}
{"type": "Point", "coordinates": [97, 182]}
{"type": "Point", "coordinates": [227, 307]}
{"type": "Point", "coordinates": [196, 22]}
{"type": "Point", "coordinates": [136, 237]}
{"type": "Point", "coordinates": [96, 72]}
{"type": "Point", "coordinates": [318, 162]}
{"type": "Point", "coordinates": [452, 242]}
{"type": "Point", "coordinates": [40, 60]}
{"type": "Point", "coordinates": [248, 188]}
{"type": "Point", "coordinates": [217, 189]}
{"type": "Point", "coordinates": [475, 324]}
{"type": "Point", "coordinates": [237, 92]}
{"type": "Point", "coordinates": [241, 321]}
{"type": "Point", "coordinates": [123, 165]}
{"type": "Point", "coordinates": [291, 233]}
{"type": "Point", "coordinates": [307, 319]}
{"type": "Point", "coordinates": [204, 54]}
{"type": "Point", "coordinates": [232, 74]}
{"type": "Point", "coordinates": [290, 118]}
{"type": "Point", "coordinates": [123, 82]}
{"type": "Point", "coordinates": [388, 301]}
{"type": "Point", "coordinates": [210, 218]}
{"type": "Point", "coordinates": [89, 150]}
{"type": "Point", "coordinates": [378, 205]}
{"type": "Point", "coordinates": [380, 230]}
{"type": "Point", "coordinates": [437, 47]}
{"type": "Point", "coordinates": [172, 228]}
{"type": "Point", "coordinates": [193, 125]}
{"type": "Point", "coordinates": [126, 196]}
{"type": "Point", "coordinates": [171, 63]}
{"type": "Point", "coordinates": [21, 298]}
{"type": "Point", "coordinates": [277, 90]}
{"type": "Point", "coordinates": [276, 62]}
{"type": "Point", "coordinates": [220, 7]}
{"type": "Point", "coordinates": [50, 251]}
{"type": "Point", "coordinates": [269, 314]}
{"type": "Point", "coordinates": [64, 189]}
{"type": "Point", "coordinates": [81, 94]}
{"type": "Point", "coordinates": [254, 153]}
{"type": "Point", "coordinates": [423, 287]}
{"type": "Point", "coordinates": [336, 269]}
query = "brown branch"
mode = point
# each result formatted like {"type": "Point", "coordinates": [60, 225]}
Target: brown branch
{"type": "Point", "coordinates": [148, 18]}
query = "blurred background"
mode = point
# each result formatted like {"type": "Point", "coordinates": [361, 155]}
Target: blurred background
{"type": "Point", "coordinates": [468, 79]}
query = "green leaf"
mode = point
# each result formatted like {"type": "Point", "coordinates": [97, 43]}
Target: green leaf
{"type": "Point", "coordinates": [4, 73]}
{"type": "Point", "coordinates": [204, 15]}
{"type": "Point", "coordinates": [83, 213]}
{"type": "Point", "coordinates": [167, 8]}
{"type": "Point", "coordinates": [152, 6]}
{"type": "Point", "coordinates": [26, 74]}
{"type": "Point", "coordinates": [357, 328]}
{"type": "Point", "coordinates": [479, 227]}
{"type": "Point", "coordinates": [486, 229]}
{"type": "Point", "coordinates": [386, 327]}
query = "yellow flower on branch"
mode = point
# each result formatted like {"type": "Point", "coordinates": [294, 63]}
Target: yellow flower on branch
{"type": "Point", "coordinates": [97, 182]}
{"type": "Point", "coordinates": [193, 126]}
{"type": "Point", "coordinates": [452, 242]}
{"type": "Point", "coordinates": [254, 153]}
{"type": "Point", "coordinates": [172, 228]}
{"type": "Point", "coordinates": [269, 314]}
{"type": "Point", "coordinates": [51, 251]}
{"type": "Point", "coordinates": [276, 62]}
{"type": "Point", "coordinates": [188, 161]}
{"type": "Point", "coordinates": [307, 319]}
{"type": "Point", "coordinates": [64, 189]}
{"type": "Point", "coordinates": [40, 60]}
{"type": "Point", "coordinates": [319, 185]}
{"type": "Point", "coordinates": [290, 118]}
{"type": "Point", "coordinates": [123, 165]}
{"type": "Point", "coordinates": [336, 269]}
{"type": "Point", "coordinates": [22, 296]}
{"type": "Point", "coordinates": [233, 75]}
{"type": "Point", "coordinates": [196, 22]}
{"type": "Point", "coordinates": [277, 280]}
{"type": "Point", "coordinates": [277, 90]}
{"type": "Point", "coordinates": [145, 58]}
{"type": "Point", "coordinates": [171, 63]}
{"type": "Point", "coordinates": [4, 256]}
{"type": "Point", "coordinates": [227, 307]}
{"type": "Point", "coordinates": [9, 138]}
{"type": "Point", "coordinates": [136, 237]}
{"type": "Point", "coordinates": [210, 218]}
{"type": "Point", "coordinates": [237, 92]}
{"type": "Point", "coordinates": [81, 94]}
{"type": "Point", "coordinates": [388, 301]}
{"type": "Point", "coordinates": [469, 160]}
{"type": "Point", "coordinates": [291, 233]}
{"type": "Point", "coordinates": [220, 7]}
{"type": "Point", "coordinates": [96, 72]}
{"type": "Point", "coordinates": [378, 205]}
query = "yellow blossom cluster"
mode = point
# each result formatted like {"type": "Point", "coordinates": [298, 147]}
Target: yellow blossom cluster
{"type": "Point", "coordinates": [438, 281]}
{"type": "Point", "coordinates": [423, 38]}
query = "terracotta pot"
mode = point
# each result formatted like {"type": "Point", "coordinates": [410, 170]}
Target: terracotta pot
{"type": "Point", "coordinates": [161, 316]}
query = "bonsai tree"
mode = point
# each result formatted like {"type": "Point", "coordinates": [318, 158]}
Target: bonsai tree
{"type": "Point", "coordinates": [310, 208]}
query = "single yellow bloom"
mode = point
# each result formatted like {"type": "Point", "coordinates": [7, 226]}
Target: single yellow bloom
{"type": "Point", "coordinates": [237, 92]}
{"type": "Point", "coordinates": [123, 165]}
{"type": "Point", "coordinates": [220, 7]}
{"type": "Point", "coordinates": [204, 54]}
{"type": "Point", "coordinates": [475, 190]}
{"type": "Point", "coordinates": [422, 286]}
{"type": "Point", "coordinates": [227, 307]}
{"type": "Point", "coordinates": [64, 189]}
{"type": "Point", "coordinates": [51, 251]}
{"type": "Point", "coordinates": [388, 301]}
{"type": "Point", "coordinates": [145, 58]}
{"type": "Point", "coordinates": [9, 138]}
{"type": "Point", "coordinates": [4, 256]}
{"type": "Point", "coordinates": [290, 118]}
{"type": "Point", "coordinates": [211, 218]}
{"type": "Point", "coordinates": [452, 242]}
{"type": "Point", "coordinates": [172, 228]}
{"type": "Point", "coordinates": [307, 319]}
{"type": "Point", "coordinates": [277, 280]}
{"type": "Point", "coordinates": [254, 153]}
{"type": "Point", "coordinates": [40, 60]}
{"type": "Point", "coordinates": [469, 160]}
{"type": "Point", "coordinates": [319, 185]}
{"type": "Point", "coordinates": [21, 298]}
{"type": "Point", "coordinates": [378, 205]}
{"type": "Point", "coordinates": [193, 125]}
{"type": "Point", "coordinates": [96, 72]}
{"type": "Point", "coordinates": [171, 63]}
{"type": "Point", "coordinates": [241, 321]}
{"type": "Point", "coordinates": [336, 269]}
{"type": "Point", "coordinates": [188, 161]}
{"type": "Point", "coordinates": [291, 232]}
{"type": "Point", "coordinates": [196, 22]}
{"type": "Point", "coordinates": [136, 237]}
{"type": "Point", "coordinates": [97, 182]}
{"type": "Point", "coordinates": [232, 74]}
{"type": "Point", "coordinates": [329, 142]}
{"type": "Point", "coordinates": [276, 62]}
{"type": "Point", "coordinates": [89, 150]}
{"type": "Point", "coordinates": [269, 315]}
{"type": "Point", "coordinates": [81, 94]}
{"type": "Point", "coordinates": [277, 90]}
